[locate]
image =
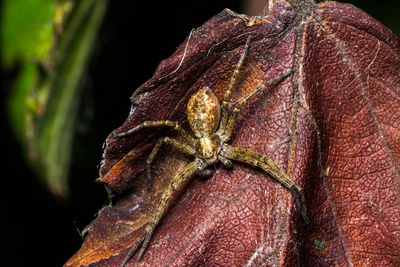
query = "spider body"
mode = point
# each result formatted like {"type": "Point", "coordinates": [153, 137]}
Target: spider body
{"type": "Point", "coordinates": [212, 128]}
{"type": "Point", "coordinates": [203, 113]}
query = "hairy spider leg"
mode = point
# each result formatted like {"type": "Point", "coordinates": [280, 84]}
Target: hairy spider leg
{"type": "Point", "coordinates": [266, 164]}
{"type": "Point", "coordinates": [178, 184]}
{"type": "Point", "coordinates": [232, 119]}
{"type": "Point", "coordinates": [169, 141]}
{"type": "Point", "coordinates": [232, 82]}
{"type": "Point", "coordinates": [166, 123]}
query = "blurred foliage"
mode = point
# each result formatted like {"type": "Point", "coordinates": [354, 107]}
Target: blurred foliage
{"type": "Point", "coordinates": [48, 43]}
{"type": "Point", "coordinates": [27, 30]}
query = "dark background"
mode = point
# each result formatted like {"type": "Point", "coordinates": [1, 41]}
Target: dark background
{"type": "Point", "coordinates": [40, 230]}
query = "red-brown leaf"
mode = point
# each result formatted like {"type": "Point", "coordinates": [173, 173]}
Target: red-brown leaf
{"type": "Point", "coordinates": [334, 127]}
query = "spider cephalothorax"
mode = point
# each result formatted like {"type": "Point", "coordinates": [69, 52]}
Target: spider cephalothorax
{"type": "Point", "coordinates": [213, 129]}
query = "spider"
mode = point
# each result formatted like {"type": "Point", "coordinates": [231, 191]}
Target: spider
{"type": "Point", "coordinates": [213, 129]}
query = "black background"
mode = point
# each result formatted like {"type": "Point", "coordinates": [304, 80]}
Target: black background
{"type": "Point", "coordinates": [40, 230]}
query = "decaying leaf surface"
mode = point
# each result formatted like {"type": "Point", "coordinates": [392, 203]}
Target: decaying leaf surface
{"type": "Point", "coordinates": [334, 126]}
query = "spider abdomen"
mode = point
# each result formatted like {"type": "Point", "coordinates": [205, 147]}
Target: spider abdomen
{"type": "Point", "coordinates": [203, 112]}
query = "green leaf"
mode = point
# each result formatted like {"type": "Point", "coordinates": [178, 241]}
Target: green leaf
{"type": "Point", "coordinates": [52, 54]}
{"type": "Point", "coordinates": [27, 29]}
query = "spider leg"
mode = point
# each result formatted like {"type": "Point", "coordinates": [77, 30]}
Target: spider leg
{"type": "Point", "coordinates": [227, 96]}
{"type": "Point", "coordinates": [177, 184]}
{"type": "Point", "coordinates": [232, 119]}
{"type": "Point", "coordinates": [226, 162]}
{"type": "Point", "coordinates": [257, 160]}
{"type": "Point", "coordinates": [169, 141]}
{"type": "Point", "coordinates": [149, 124]}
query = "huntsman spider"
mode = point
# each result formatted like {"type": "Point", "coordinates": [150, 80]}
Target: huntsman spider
{"type": "Point", "coordinates": [213, 129]}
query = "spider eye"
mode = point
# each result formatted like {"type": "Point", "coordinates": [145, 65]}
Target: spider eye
{"type": "Point", "coordinates": [203, 112]}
